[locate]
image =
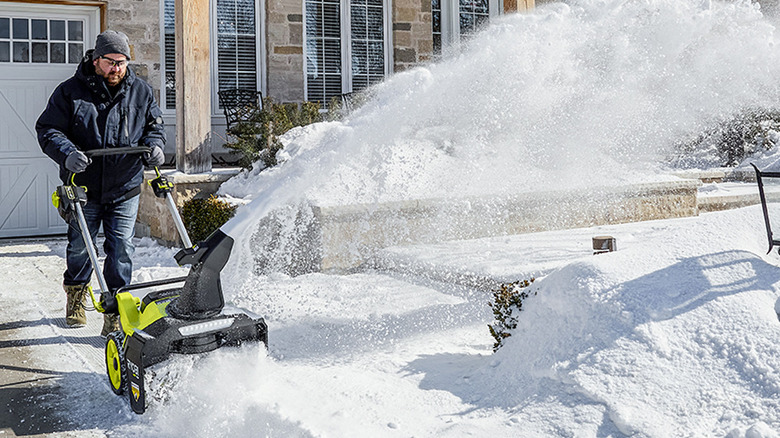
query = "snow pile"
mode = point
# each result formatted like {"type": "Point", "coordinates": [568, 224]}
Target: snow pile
{"type": "Point", "coordinates": [676, 340]}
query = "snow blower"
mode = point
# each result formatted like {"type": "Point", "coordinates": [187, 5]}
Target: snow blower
{"type": "Point", "coordinates": [188, 319]}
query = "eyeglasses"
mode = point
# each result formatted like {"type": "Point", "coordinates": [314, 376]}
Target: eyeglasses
{"type": "Point", "coordinates": [120, 63]}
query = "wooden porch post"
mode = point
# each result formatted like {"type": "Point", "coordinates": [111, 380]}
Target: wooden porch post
{"type": "Point", "coordinates": [518, 5]}
{"type": "Point", "coordinates": [193, 87]}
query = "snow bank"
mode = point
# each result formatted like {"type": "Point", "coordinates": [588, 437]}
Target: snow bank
{"type": "Point", "coordinates": [674, 337]}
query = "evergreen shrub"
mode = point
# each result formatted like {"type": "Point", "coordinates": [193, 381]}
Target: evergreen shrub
{"type": "Point", "coordinates": [731, 140]}
{"type": "Point", "coordinates": [202, 217]}
{"type": "Point", "coordinates": [507, 303]}
{"type": "Point", "coordinates": [258, 138]}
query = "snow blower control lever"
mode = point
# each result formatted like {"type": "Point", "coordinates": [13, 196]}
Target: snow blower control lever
{"type": "Point", "coordinates": [162, 188]}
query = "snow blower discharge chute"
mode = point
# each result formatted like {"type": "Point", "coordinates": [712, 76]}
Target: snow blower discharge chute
{"type": "Point", "coordinates": [188, 319]}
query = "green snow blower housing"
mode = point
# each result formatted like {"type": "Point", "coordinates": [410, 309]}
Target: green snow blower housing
{"type": "Point", "coordinates": [188, 320]}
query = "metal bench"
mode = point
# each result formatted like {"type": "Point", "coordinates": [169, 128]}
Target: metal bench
{"type": "Point", "coordinates": [239, 104]}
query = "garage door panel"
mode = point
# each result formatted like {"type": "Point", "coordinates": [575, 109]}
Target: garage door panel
{"type": "Point", "coordinates": [16, 131]}
{"type": "Point", "coordinates": [21, 103]}
{"type": "Point", "coordinates": [25, 198]}
{"type": "Point", "coordinates": [27, 176]}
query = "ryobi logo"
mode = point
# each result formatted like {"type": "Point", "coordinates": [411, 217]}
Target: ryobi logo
{"type": "Point", "coordinates": [133, 368]}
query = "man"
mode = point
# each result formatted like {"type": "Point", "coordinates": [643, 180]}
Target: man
{"type": "Point", "coordinates": [104, 105]}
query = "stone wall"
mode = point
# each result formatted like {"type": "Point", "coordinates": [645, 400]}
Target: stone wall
{"type": "Point", "coordinates": [348, 235]}
{"type": "Point", "coordinates": [285, 66]}
{"type": "Point", "coordinates": [412, 38]}
{"type": "Point", "coordinates": [140, 20]}
{"type": "Point", "coordinates": [339, 238]}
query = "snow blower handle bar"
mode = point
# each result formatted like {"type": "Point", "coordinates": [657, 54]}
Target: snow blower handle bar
{"type": "Point", "coordinates": [83, 223]}
{"type": "Point", "coordinates": [111, 151]}
{"type": "Point", "coordinates": [117, 151]}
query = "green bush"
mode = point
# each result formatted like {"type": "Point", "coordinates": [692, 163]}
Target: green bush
{"type": "Point", "coordinates": [202, 217]}
{"type": "Point", "coordinates": [506, 299]}
{"type": "Point", "coordinates": [258, 138]}
{"type": "Point", "coordinates": [731, 139]}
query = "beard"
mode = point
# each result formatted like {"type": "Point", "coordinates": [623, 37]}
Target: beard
{"type": "Point", "coordinates": [112, 77]}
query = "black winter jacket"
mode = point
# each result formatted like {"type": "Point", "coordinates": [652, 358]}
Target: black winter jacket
{"type": "Point", "coordinates": [81, 114]}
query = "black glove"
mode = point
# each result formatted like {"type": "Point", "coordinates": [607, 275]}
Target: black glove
{"type": "Point", "coordinates": [155, 157]}
{"type": "Point", "coordinates": [77, 162]}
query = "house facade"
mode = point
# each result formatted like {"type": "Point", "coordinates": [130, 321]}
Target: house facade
{"type": "Point", "coordinates": [290, 50]}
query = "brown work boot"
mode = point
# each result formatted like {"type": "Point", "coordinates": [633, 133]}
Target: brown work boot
{"type": "Point", "coordinates": [75, 310]}
{"type": "Point", "coordinates": [110, 324]}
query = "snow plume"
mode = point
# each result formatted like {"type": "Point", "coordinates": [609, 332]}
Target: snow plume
{"type": "Point", "coordinates": [578, 95]}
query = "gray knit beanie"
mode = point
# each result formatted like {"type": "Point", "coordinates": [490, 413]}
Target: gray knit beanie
{"type": "Point", "coordinates": [111, 41]}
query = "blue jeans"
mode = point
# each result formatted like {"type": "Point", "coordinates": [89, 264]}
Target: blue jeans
{"type": "Point", "coordinates": [118, 227]}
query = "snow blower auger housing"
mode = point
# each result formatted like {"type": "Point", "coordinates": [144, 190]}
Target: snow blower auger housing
{"type": "Point", "coordinates": [188, 319]}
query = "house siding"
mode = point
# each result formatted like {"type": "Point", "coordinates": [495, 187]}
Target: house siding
{"type": "Point", "coordinates": [284, 41]}
{"type": "Point", "coordinates": [412, 39]}
{"type": "Point", "coordinates": [140, 20]}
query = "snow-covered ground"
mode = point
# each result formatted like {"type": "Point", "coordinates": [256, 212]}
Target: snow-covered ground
{"type": "Point", "coordinates": [673, 334]}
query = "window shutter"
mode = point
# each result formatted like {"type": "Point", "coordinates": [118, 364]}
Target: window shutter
{"type": "Point", "coordinates": [236, 44]}
{"type": "Point", "coordinates": [170, 54]}
{"type": "Point", "coordinates": [323, 50]}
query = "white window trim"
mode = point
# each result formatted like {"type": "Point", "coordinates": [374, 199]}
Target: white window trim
{"type": "Point", "coordinates": [76, 12]}
{"type": "Point", "coordinates": [346, 44]}
{"type": "Point", "coordinates": [450, 20]}
{"type": "Point", "coordinates": [216, 114]}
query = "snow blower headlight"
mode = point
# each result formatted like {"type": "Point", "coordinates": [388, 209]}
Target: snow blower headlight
{"type": "Point", "coordinates": [205, 327]}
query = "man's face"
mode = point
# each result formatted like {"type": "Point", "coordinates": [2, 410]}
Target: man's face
{"type": "Point", "coordinates": [112, 66]}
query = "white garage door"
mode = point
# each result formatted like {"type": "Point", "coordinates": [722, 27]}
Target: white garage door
{"type": "Point", "coordinates": [40, 46]}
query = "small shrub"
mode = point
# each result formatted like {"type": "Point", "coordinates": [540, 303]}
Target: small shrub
{"type": "Point", "coordinates": [731, 140]}
{"type": "Point", "coordinates": [258, 138]}
{"type": "Point", "coordinates": [202, 217]}
{"type": "Point", "coordinates": [341, 106]}
{"type": "Point", "coordinates": [507, 300]}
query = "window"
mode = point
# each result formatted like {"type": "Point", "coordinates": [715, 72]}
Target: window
{"type": "Point", "coordinates": [236, 44]}
{"type": "Point", "coordinates": [323, 50]}
{"type": "Point", "coordinates": [473, 15]}
{"type": "Point", "coordinates": [235, 26]}
{"type": "Point", "coordinates": [346, 47]}
{"type": "Point", "coordinates": [368, 43]}
{"type": "Point", "coordinates": [169, 49]}
{"type": "Point", "coordinates": [436, 25]}
{"type": "Point", "coordinates": [41, 40]}
{"type": "Point", "coordinates": [452, 21]}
